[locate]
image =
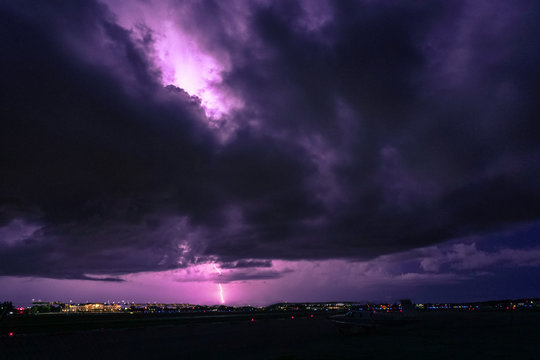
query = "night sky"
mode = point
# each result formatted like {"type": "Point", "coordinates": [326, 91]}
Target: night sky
{"type": "Point", "coordinates": [306, 150]}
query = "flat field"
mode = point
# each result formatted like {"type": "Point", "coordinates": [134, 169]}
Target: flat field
{"type": "Point", "coordinates": [451, 335]}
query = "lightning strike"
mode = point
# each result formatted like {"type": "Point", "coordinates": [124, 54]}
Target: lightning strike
{"type": "Point", "coordinates": [221, 294]}
{"type": "Point", "coordinates": [219, 284]}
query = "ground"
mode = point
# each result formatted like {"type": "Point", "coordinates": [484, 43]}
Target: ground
{"type": "Point", "coordinates": [435, 336]}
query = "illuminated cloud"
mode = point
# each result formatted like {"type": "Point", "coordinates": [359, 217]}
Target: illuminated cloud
{"type": "Point", "coordinates": [176, 51]}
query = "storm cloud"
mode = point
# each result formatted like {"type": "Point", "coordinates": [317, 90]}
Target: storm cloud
{"type": "Point", "coordinates": [358, 129]}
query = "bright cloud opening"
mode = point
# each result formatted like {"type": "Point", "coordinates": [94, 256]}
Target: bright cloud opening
{"type": "Point", "coordinates": [178, 56]}
{"type": "Point", "coordinates": [183, 64]}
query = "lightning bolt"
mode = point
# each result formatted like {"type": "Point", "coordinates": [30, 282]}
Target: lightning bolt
{"type": "Point", "coordinates": [221, 293]}
{"type": "Point", "coordinates": [219, 284]}
{"type": "Point", "coordinates": [217, 269]}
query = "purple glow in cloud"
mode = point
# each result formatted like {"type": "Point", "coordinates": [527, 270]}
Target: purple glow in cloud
{"type": "Point", "coordinates": [176, 53]}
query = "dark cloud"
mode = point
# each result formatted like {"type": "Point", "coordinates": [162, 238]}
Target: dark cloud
{"type": "Point", "coordinates": [108, 279]}
{"type": "Point", "coordinates": [240, 264]}
{"type": "Point", "coordinates": [413, 101]}
{"type": "Point", "coordinates": [245, 275]}
{"type": "Point", "coordinates": [368, 128]}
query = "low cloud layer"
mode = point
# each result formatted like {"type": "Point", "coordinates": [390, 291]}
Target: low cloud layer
{"type": "Point", "coordinates": [469, 257]}
{"type": "Point", "coordinates": [357, 129]}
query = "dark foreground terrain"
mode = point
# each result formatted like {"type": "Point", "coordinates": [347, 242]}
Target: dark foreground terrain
{"type": "Point", "coordinates": [510, 335]}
